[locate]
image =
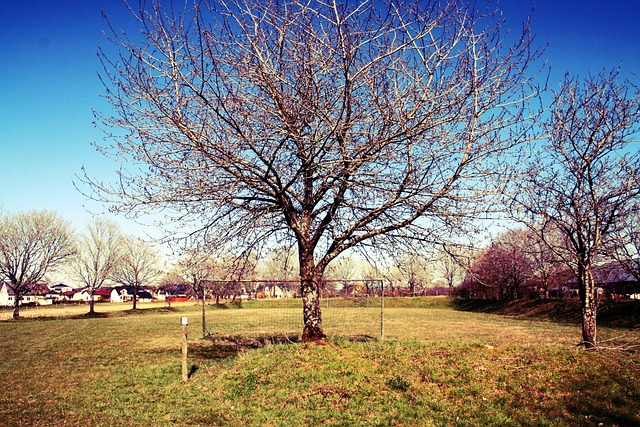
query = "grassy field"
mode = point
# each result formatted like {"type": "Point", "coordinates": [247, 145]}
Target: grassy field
{"type": "Point", "coordinates": [438, 366]}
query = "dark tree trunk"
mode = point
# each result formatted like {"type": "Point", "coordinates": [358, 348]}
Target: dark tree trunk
{"type": "Point", "coordinates": [17, 297]}
{"type": "Point", "coordinates": [91, 304]}
{"type": "Point", "coordinates": [16, 306]}
{"type": "Point", "coordinates": [135, 297]}
{"type": "Point", "coordinates": [204, 315]}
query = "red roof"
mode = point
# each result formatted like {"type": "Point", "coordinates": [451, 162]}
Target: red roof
{"type": "Point", "coordinates": [106, 292]}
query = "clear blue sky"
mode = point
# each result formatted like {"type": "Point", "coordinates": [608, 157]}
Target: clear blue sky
{"type": "Point", "coordinates": [49, 84]}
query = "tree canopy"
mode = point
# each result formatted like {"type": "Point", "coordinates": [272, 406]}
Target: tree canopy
{"type": "Point", "coordinates": [333, 124]}
{"type": "Point", "coordinates": [32, 244]}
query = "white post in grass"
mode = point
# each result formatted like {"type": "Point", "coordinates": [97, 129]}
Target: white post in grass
{"type": "Point", "coordinates": [185, 373]}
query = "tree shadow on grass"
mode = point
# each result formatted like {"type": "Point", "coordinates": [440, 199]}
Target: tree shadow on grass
{"type": "Point", "coordinates": [223, 347]}
{"type": "Point", "coordinates": [611, 397]}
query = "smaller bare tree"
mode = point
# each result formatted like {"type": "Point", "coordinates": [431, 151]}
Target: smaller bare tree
{"type": "Point", "coordinates": [342, 269]}
{"type": "Point", "coordinates": [586, 179]}
{"type": "Point", "coordinates": [625, 247]}
{"type": "Point", "coordinates": [281, 265]}
{"type": "Point", "coordinates": [546, 266]}
{"type": "Point", "coordinates": [99, 255]}
{"type": "Point", "coordinates": [138, 266]}
{"type": "Point", "coordinates": [415, 270]}
{"type": "Point", "coordinates": [197, 268]}
{"type": "Point", "coordinates": [450, 265]}
{"type": "Point", "coordinates": [31, 245]}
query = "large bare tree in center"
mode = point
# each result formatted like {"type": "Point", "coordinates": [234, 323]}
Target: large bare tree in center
{"type": "Point", "coordinates": [336, 124]}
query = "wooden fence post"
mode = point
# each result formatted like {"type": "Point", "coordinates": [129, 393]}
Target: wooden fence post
{"type": "Point", "coordinates": [185, 372]}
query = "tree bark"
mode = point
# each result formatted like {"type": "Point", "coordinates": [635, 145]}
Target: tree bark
{"type": "Point", "coordinates": [91, 304]}
{"type": "Point", "coordinates": [589, 303]}
{"type": "Point", "coordinates": [16, 306]}
{"type": "Point", "coordinates": [311, 309]}
{"type": "Point", "coordinates": [135, 297]}
{"type": "Point", "coordinates": [310, 290]}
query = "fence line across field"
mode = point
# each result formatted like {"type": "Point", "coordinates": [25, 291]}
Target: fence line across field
{"type": "Point", "coordinates": [356, 312]}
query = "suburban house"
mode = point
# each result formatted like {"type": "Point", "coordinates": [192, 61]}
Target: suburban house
{"type": "Point", "coordinates": [145, 296]}
{"type": "Point", "coordinates": [102, 294]}
{"type": "Point", "coordinates": [121, 294]}
{"type": "Point", "coordinates": [616, 282]}
{"type": "Point", "coordinates": [39, 295]}
{"type": "Point", "coordinates": [275, 291]}
{"type": "Point", "coordinates": [45, 295]}
{"type": "Point", "coordinates": [6, 295]}
{"type": "Point", "coordinates": [611, 280]}
{"type": "Point", "coordinates": [161, 295]}
{"type": "Point", "coordinates": [115, 295]}
{"type": "Point", "coordinates": [175, 292]}
{"type": "Point", "coordinates": [76, 295]}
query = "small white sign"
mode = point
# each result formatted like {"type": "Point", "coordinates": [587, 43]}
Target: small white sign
{"type": "Point", "coordinates": [184, 321]}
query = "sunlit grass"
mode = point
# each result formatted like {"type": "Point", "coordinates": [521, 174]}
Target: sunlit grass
{"type": "Point", "coordinates": [437, 366]}
{"type": "Point", "coordinates": [77, 309]}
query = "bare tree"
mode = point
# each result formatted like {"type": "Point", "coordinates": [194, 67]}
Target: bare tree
{"type": "Point", "coordinates": [98, 257]}
{"type": "Point", "coordinates": [415, 271]}
{"type": "Point", "coordinates": [626, 243]}
{"type": "Point", "coordinates": [451, 263]}
{"type": "Point", "coordinates": [198, 269]}
{"type": "Point", "coordinates": [344, 269]}
{"type": "Point", "coordinates": [281, 264]}
{"type": "Point", "coordinates": [228, 276]}
{"type": "Point", "coordinates": [31, 245]}
{"type": "Point", "coordinates": [334, 124]}
{"type": "Point", "coordinates": [546, 266]}
{"type": "Point", "coordinates": [586, 179]}
{"type": "Point", "coordinates": [137, 267]}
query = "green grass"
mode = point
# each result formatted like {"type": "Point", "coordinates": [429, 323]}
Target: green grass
{"type": "Point", "coordinates": [437, 367]}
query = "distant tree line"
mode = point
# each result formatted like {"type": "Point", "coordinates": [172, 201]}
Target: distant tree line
{"type": "Point", "coordinates": [37, 243]}
{"type": "Point", "coordinates": [518, 265]}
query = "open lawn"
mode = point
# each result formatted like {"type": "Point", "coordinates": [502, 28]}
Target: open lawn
{"type": "Point", "coordinates": [438, 366]}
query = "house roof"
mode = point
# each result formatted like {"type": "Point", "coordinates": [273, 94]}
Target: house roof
{"type": "Point", "coordinates": [40, 289]}
{"type": "Point", "coordinates": [144, 294]}
{"type": "Point", "coordinates": [612, 274]}
{"type": "Point", "coordinates": [176, 288]}
{"type": "Point", "coordinates": [73, 292]}
{"type": "Point", "coordinates": [104, 292]}
{"type": "Point", "coordinates": [9, 290]}
{"type": "Point", "coordinates": [60, 286]}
